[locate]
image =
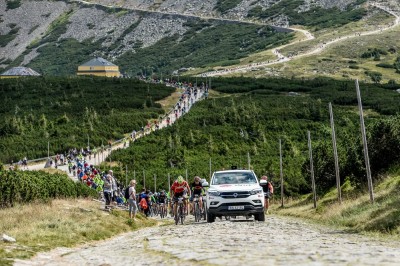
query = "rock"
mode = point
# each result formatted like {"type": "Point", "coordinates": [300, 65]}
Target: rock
{"type": "Point", "coordinates": [7, 238]}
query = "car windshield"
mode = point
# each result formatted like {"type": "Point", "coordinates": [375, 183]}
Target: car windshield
{"type": "Point", "coordinates": [233, 178]}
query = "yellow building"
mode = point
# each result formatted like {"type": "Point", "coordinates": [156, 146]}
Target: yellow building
{"type": "Point", "coordinates": [17, 72]}
{"type": "Point", "coordinates": [98, 67]}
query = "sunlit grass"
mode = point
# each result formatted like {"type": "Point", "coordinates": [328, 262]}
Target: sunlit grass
{"type": "Point", "coordinates": [61, 223]}
{"type": "Point", "coordinates": [356, 212]}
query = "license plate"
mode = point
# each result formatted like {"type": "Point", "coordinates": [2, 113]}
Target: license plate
{"type": "Point", "coordinates": [235, 208]}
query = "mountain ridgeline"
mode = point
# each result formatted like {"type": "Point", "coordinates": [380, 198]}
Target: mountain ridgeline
{"type": "Point", "coordinates": [145, 37]}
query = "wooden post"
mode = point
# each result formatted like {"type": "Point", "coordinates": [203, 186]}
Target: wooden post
{"type": "Point", "coordinates": [155, 183]}
{"type": "Point", "coordinates": [48, 149]}
{"type": "Point", "coordinates": [335, 153]}
{"type": "Point", "coordinates": [281, 170]}
{"type": "Point", "coordinates": [210, 169]}
{"type": "Point", "coordinates": [144, 179]}
{"type": "Point", "coordinates": [364, 137]}
{"type": "Point", "coordinates": [248, 160]}
{"type": "Point", "coordinates": [169, 183]}
{"type": "Point", "coordinates": [187, 175]}
{"type": "Point", "coordinates": [126, 175]}
{"type": "Point", "coordinates": [312, 170]}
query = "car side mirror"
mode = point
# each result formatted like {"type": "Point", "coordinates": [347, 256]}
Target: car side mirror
{"type": "Point", "coordinates": [205, 184]}
{"type": "Point", "coordinates": [263, 182]}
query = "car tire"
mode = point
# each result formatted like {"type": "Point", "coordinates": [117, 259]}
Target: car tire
{"type": "Point", "coordinates": [210, 218]}
{"type": "Point", "coordinates": [259, 216]}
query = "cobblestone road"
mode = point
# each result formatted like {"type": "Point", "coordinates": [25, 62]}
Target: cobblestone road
{"type": "Point", "coordinates": [278, 241]}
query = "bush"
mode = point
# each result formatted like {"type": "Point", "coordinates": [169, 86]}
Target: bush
{"type": "Point", "coordinates": [30, 186]}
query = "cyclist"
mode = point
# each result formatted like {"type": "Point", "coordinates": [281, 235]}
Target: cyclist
{"type": "Point", "coordinates": [268, 191]}
{"type": "Point", "coordinates": [178, 189]}
{"type": "Point", "coordinates": [162, 198]}
{"type": "Point", "coordinates": [197, 189]}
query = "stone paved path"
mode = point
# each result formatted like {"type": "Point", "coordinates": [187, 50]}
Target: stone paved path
{"type": "Point", "coordinates": [278, 241]}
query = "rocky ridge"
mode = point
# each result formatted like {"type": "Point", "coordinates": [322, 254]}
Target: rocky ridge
{"type": "Point", "coordinates": [110, 21]}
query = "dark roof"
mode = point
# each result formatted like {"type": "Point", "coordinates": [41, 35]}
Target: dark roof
{"type": "Point", "coordinates": [98, 61]}
{"type": "Point", "coordinates": [20, 71]}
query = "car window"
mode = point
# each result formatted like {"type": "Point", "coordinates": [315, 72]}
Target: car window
{"type": "Point", "coordinates": [233, 178]}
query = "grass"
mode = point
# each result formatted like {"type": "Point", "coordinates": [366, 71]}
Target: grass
{"type": "Point", "coordinates": [61, 223]}
{"type": "Point", "coordinates": [356, 213]}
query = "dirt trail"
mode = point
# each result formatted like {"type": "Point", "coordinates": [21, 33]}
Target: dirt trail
{"type": "Point", "coordinates": [322, 46]}
{"type": "Point", "coordinates": [278, 241]}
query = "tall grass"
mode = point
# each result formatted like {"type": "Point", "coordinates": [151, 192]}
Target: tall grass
{"type": "Point", "coordinates": [61, 223]}
{"type": "Point", "coordinates": [356, 213]}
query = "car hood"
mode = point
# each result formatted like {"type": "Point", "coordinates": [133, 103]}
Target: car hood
{"type": "Point", "coordinates": [234, 187]}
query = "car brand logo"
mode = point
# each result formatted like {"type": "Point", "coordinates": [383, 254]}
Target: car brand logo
{"type": "Point", "coordinates": [235, 195]}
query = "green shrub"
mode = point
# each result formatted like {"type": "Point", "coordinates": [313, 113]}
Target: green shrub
{"type": "Point", "coordinates": [30, 186]}
{"type": "Point", "coordinates": [12, 4]}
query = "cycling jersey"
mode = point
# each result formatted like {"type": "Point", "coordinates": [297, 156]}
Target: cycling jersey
{"type": "Point", "coordinates": [197, 188]}
{"type": "Point", "coordinates": [179, 188]}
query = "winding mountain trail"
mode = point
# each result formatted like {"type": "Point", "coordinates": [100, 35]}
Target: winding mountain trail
{"type": "Point", "coordinates": [278, 241]}
{"type": "Point", "coordinates": [322, 46]}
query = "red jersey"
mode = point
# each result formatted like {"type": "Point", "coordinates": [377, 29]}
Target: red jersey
{"type": "Point", "coordinates": [179, 188]}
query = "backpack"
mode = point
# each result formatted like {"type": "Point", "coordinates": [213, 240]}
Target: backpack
{"type": "Point", "coordinates": [143, 204]}
{"type": "Point", "coordinates": [127, 193]}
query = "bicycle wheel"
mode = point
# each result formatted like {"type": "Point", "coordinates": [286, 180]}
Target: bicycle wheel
{"type": "Point", "coordinates": [177, 215]}
{"type": "Point", "coordinates": [182, 214]}
{"type": "Point", "coordinates": [165, 211]}
{"type": "Point", "coordinates": [196, 212]}
{"type": "Point", "coordinates": [162, 212]}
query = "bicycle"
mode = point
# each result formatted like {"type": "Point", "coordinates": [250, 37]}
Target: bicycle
{"type": "Point", "coordinates": [196, 209]}
{"type": "Point", "coordinates": [162, 210]}
{"type": "Point", "coordinates": [180, 211]}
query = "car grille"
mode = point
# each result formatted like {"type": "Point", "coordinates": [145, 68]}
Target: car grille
{"type": "Point", "coordinates": [235, 195]}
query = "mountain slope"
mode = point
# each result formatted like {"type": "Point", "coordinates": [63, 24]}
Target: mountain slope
{"type": "Point", "coordinates": [158, 36]}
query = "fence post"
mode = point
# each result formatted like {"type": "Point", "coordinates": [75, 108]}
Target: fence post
{"type": "Point", "coordinates": [210, 168]}
{"type": "Point", "coordinates": [335, 153]}
{"type": "Point", "coordinates": [281, 170]}
{"type": "Point", "coordinates": [312, 169]}
{"type": "Point", "coordinates": [364, 138]}
{"type": "Point", "coordinates": [155, 183]}
{"type": "Point", "coordinates": [144, 179]}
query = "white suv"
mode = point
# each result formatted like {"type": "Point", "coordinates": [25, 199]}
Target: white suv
{"type": "Point", "coordinates": [235, 193]}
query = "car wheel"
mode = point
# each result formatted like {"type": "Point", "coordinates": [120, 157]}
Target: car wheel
{"type": "Point", "coordinates": [259, 216]}
{"type": "Point", "coordinates": [210, 218]}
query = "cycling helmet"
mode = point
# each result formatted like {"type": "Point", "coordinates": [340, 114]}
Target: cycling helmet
{"type": "Point", "coordinates": [197, 178]}
{"type": "Point", "coordinates": [180, 179]}
{"type": "Point", "coordinates": [264, 177]}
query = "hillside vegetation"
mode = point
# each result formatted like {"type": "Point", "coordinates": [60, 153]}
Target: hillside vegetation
{"type": "Point", "coordinates": [70, 112]}
{"type": "Point", "coordinates": [250, 116]}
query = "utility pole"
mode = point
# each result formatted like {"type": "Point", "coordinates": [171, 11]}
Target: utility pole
{"type": "Point", "coordinates": [335, 154]}
{"type": "Point", "coordinates": [364, 137]}
{"type": "Point", "coordinates": [281, 170]}
{"type": "Point", "coordinates": [312, 170]}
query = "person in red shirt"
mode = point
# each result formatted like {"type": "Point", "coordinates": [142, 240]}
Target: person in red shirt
{"type": "Point", "coordinates": [179, 188]}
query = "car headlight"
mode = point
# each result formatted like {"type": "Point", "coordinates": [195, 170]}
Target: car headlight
{"type": "Point", "coordinates": [214, 193]}
{"type": "Point", "coordinates": [256, 191]}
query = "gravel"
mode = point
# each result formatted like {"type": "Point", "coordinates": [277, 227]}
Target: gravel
{"type": "Point", "coordinates": [278, 241]}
